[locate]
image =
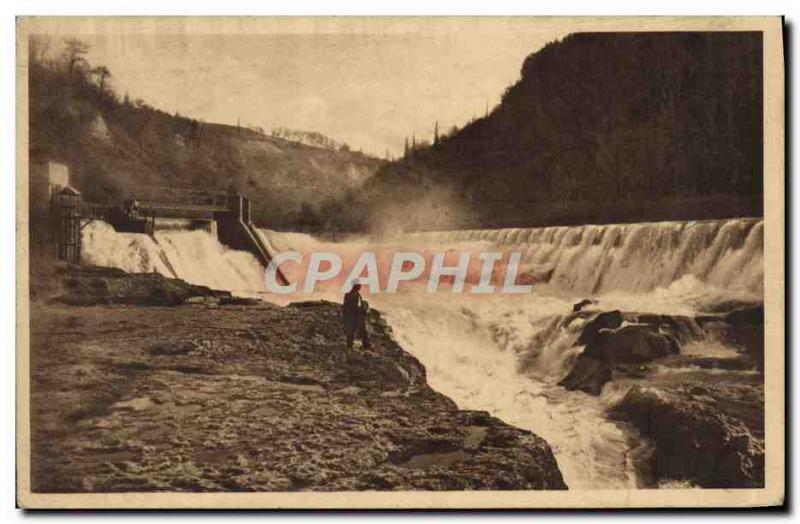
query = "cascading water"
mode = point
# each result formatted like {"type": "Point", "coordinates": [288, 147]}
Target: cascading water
{"type": "Point", "coordinates": [505, 354]}
{"type": "Point", "coordinates": [194, 256]}
{"type": "Point", "coordinates": [634, 258]}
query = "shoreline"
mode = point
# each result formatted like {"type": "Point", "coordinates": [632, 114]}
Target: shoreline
{"type": "Point", "coordinates": [133, 392]}
{"type": "Point", "coordinates": [148, 357]}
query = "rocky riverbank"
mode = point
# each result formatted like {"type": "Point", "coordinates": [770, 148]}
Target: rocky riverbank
{"type": "Point", "coordinates": [703, 412]}
{"type": "Point", "coordinates": [151, 384]}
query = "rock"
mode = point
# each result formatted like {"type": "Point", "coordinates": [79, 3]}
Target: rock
{"type": "Point", "coordinates": [99, 130]}
{"type": "Point", "coordinates": [711, 435]}
{"type": "Point", "coordinates": [608, 348]}
{"type": "Point", "coordinates": [731, 305]}
{"type": "Point", "coordinates": [311, 304]}
{"type": "Point", "coordinates": [588, 374]}
{"type": "Point", "coordinates": [682, 328]}
{"type": "Point", "coordinates": [604, 320]}
{"type": "Point", "coordinates": [737, 363]}
{"type": "Point", "coordinates": [537, 275]}
{"type": "Point", "coordinates": [753, 316]}
{"type": "Point", "coordinates": [86, 286]}
{"type": "Point", "coordinates": [202, 300]}
{"type": "Point", "coordinates": [239, 301]}
{"type": "Point", "coordinates": [172, 348]}
{"type": "Point", "coordinates": [583, 303]}
{"type": "Point", "coordinates": [745, 329]}
{"type": "Point", "coordinates": [632, 344]}
{"type": "Point", "coordinates": [256, 399]}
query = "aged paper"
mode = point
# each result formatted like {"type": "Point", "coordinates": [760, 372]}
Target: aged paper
{"type": "Point", "coordinates": [568, 235]}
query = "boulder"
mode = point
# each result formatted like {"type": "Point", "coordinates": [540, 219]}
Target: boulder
{"type": "Point", "coordinates": [681, 327]}
{"type": "Point", "coordinates": [753, 316]}
{"type": "Point", "coordinates": [604, 320]}
{"type": "Point", "coordinates": [88, 285]}
{"type": "Point", "coordinates": [745, 329]}
{"type": "Point", "coordinates": [588, 374]}
{"type": "Point", "coordinates": [609, 348]}
{"type": "Point", "coordinates": [632, 344]}
{"type": "Point", "coordinates": [711, 435]}
{"type": "Point", "coordinates": [582, 304]}
{"type": "Point", "coordinates": [239, 301]}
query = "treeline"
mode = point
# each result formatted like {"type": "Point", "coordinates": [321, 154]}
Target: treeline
{"type": "Point", "coordinates": [601, 127]}
{"type": "Point", "coordinates": [72, 100]}
{"type": "Point", "coordinates": [113, 144]}
{"type": "Point", "coordinates": [311, 138]}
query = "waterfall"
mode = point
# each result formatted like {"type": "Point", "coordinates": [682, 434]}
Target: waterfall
{"type": "Point", "coordinates": [630, 257]}
{"type": "Point", "coordinates": [500, 353]}
{"type": "Point", "coordinates": [195, 256]}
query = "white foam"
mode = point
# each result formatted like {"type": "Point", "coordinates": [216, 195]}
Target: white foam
{"type": "Point", "coordinates": [473, 348]}
{"type": "Point", "coordinates": [194, 256]}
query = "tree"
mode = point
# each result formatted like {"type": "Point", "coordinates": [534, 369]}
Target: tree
{"type": "Point", "coordinates": [436, 133]}
{"type": "Point", "coordinates": [102, 74]}
{"type": "Point", "coordinates": [38, 47]}
{"type": "Point", "coordinates": [75, 54]}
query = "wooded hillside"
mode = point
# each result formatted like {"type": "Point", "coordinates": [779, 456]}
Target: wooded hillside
{"type": "Point", "coordinates": [113, 144]}
{"type": "Point", "coordinates": [601, 127]}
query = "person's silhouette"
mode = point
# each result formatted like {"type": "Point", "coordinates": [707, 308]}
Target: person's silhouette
{"type": "Point", "coordinates": [354, 316]}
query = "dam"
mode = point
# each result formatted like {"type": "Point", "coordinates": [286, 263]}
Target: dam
{"type": "Point", "coordinates": [506, 354]}
{"type": "Point", "coordinates": [225, 215]}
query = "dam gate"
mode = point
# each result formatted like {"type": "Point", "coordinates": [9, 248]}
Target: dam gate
{"type": "Point", "coordinates": [227, 213]}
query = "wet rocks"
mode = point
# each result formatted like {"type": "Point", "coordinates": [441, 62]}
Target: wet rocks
{"type": "Point", "coordinates": [582, 304]}
{"type": "Point", "coordinates": [588, 375]}
{"type": "Point", "coordinates": [680, 327]}
{"type": "Point", "coordinates": [253, 398]}
{"type": "Point", "coordinates": [703, 412]}
{"type": "Point", "coordinates": [88, 286]}
{"type": "Point", "coordinates": [610, 344]}
{"type": "Point", "coordinates": [745, 329]}
{"type": "Point", "coordinates": [631, 344]}
{"type": "Point", "coordinates": [239, 301]}
{"type": "Point", "coordinates": [709, 434]}
{"type": "Point", "coordinates": [604, 320]}
{"type": "Point", "coordinates": [485, 452]}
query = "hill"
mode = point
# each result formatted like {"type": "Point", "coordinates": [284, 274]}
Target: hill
{"type": "Point", "coordinates": [601, 127]}
{"type": "Point", "coordinates": [113, 146]}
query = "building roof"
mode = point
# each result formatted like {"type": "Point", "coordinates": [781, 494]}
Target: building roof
{"type": "Point", "coordinates": [69, 190]}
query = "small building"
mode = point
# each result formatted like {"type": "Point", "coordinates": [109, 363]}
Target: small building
{"type": "Point", "coordinates": [46, 179]}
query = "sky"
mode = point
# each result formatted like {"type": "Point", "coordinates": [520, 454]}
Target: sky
{"type": "Point", "coordinates": [368, 88]}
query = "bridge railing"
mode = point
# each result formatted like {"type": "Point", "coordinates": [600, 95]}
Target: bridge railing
{"type": "Point", "coordinates": [166, 197]}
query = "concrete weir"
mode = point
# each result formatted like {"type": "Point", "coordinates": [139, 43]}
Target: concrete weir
{"type": "Point", "coordinates": [226, 213]}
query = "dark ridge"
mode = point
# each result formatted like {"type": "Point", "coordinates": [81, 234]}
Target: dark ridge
{"type": "Point", "coordinates": [600, 128]}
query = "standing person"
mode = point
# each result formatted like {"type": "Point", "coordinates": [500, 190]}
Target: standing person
{"type": "Point", "coordinates": [354, 316]}
{"type": "Point", "coordinates": [361, 331]}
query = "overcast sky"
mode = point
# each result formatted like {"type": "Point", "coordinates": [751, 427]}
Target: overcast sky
{"type": "Point", "coordinates": [369, 89]}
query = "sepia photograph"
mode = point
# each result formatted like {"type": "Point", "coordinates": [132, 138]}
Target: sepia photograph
{"type": "Point", "coordinates": [400, 262]}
